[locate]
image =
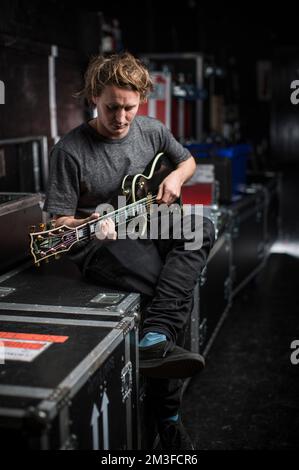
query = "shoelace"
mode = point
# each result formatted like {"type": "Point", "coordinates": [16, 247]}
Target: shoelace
{"type": "Point", "coordinates": [169, 346]}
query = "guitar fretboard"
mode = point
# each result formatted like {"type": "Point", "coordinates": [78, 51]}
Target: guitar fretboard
{"type": "Point", "coordinates": [120, 216]}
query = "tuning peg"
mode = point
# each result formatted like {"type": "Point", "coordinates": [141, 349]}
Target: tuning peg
{"type": "Point", "coordinates": [57, 256]}
{"type": "Point", "coordinates": [40, 237]}
{"type": "Point", "coordinates": [37, 265]}
{"type": "Point", "coordinates": [42, 226]}
{"type": "Point", "coordinates": [32, 228]}
{"type": "Point", "coordinates": [46, 260]}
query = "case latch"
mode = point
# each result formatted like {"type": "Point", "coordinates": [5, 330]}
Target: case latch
{"type": "Point", "coordinates": [4, 291]}
{"type": "Point", "coordinates": [126, 381]}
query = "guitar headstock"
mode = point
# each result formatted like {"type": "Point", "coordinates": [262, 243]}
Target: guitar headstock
{"type": "Point", "coordinates": [52, 242]}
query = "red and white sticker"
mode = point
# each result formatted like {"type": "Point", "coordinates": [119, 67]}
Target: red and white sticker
{"type": "Point", "coordinates": [25, 347]}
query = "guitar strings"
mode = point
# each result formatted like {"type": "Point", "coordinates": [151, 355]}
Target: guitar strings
{"type": "Point", "coordinates": [125, 209]}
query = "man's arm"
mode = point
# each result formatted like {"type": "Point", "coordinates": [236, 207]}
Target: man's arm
{"type": "Point", "coordinates": [71, 221]}
{"type": "Point", "coordinates": [170, 188]}
{"type": "Point", "coordinates": [185, 169]}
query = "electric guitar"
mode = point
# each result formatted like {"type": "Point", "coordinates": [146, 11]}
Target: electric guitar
{"type": "Point", "coordinates": [140, 191]}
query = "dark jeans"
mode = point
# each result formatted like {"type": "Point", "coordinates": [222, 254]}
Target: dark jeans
{"type": "Point", "coordinates": [165, 273]}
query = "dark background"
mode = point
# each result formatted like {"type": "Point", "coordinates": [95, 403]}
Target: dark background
{"type": "Point", "coordinates": [236, 37]}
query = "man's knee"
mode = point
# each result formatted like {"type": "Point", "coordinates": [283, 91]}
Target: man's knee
{"type": "Point", "coordinates": [199, 231]}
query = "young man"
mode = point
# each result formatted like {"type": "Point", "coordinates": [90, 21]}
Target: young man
{"type": "Point", "coordinates": [87, 168]}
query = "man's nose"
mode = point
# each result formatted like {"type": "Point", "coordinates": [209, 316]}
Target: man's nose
{"type": "Point", "coordinates": [121, 115]}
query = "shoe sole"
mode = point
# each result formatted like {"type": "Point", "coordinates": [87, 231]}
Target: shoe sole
{"type": "Point", "coordinates": [172, 368]}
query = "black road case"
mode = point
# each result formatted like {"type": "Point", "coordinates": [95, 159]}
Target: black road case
{"type": "Point", "coordinates": [82, 393]}
{"type": "Point", "coordinates": [17, 212]}
{"type": "Point", "coordinates": [24, 164]}
{"type": "Point", "coordinates": [68, 384]}
{"type": "Point", "coordinates": [212, 293]}
{"type": "Point", "coordinates": [248, 229]}
{"type": "Point", "coordinates": [57, 289]}
{"type": "Point", "coordinates": [215, 291]}
{"type": "Point", "coordinates": [271, 182]}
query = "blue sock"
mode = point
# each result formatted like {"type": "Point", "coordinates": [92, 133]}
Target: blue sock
{"type": "Point", "coordinates": [152, 338]}
{"type": "Point", "coordinates": [172, 418]}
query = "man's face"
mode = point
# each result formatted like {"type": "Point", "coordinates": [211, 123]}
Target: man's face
{"type": "Point", "coordinates": [116, 109]}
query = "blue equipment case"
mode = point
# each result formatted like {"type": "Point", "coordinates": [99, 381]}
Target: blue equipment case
{"type": "Point", "coordinates": [238, 154]}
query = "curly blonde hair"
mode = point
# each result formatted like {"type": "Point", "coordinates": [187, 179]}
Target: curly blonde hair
{"type": "Point", "coordinates": [121, 70]}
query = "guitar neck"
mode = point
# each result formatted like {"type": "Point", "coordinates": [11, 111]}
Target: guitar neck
{"type": "Point", "coordinates": [87, 231]}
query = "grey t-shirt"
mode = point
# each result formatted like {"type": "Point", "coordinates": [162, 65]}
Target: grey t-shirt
{"type": "Point", "coordinates": [87, 169]}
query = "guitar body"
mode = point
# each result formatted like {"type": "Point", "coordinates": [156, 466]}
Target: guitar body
{"type": "Point", "coordinates": [136, 187]}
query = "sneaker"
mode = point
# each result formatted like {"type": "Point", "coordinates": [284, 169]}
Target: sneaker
{"type": "Point", "coordinates": [173, 436]}
{"type": "Point", "coordinates": [163, 361]}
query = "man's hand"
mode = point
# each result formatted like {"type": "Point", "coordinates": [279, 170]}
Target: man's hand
{"type": "Point", "coordinates": [104, 229]}
{"type": "Point", "coordinates": [169, 189]}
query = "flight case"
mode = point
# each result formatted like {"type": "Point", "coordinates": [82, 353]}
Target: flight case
{"type": "Point", "coordinates": [271, 182]}
{"type": "Point", "coordinates": [69, 361]}
{"type": "Point", "coordinates": [17, 212]}
{"type": "Point", "coordinates": [212, 293]}
{"type": "Point", "coordinates": [248, 230]}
